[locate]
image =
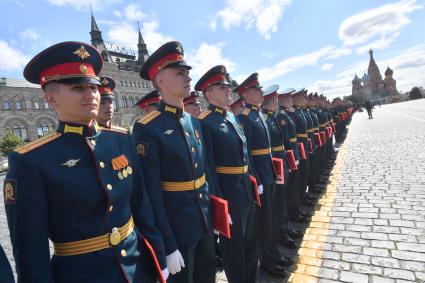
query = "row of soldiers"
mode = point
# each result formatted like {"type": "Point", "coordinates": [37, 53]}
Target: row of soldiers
{"type": "Point", "coordinates": [144, 207]}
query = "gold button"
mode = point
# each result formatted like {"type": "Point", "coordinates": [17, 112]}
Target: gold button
{"type": "Point", "coordinates": [111, 207]}
{"type": "Point", "coordinates": [187, 134]}
{"type": "Point", "coordinates": [200, 195]}
{"type": "Point", "coordinates": [109, 186]}
{"type": "Point", "coordinates": [193, 149]}
{"type": "Point", "coordinates": [123, 253]}
{"type": "Point", "coordinates": [196, 165]}
{"type": "Point", "coordinates": [101, 164]}
{"type": "Point", "coordinates": [93, 142]}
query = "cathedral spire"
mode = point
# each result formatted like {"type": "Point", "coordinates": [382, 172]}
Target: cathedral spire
{"type": "Point", "coordinates": [141, 46]}
{"type": "Point", "coordinates": [371, 54]}
{"type": "Point", "coordinates": [95, 33]}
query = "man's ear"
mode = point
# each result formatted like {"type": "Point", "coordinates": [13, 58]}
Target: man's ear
{"type": "Point", "coordinates": [50, 98]}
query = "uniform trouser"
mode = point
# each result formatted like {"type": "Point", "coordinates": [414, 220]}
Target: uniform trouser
{"type": "Point", "coordinates": [199, 259]}
{"type": "Point", "coordinates": [303, 179]}
{"type": "Point", "coordinates": [292, 193]}
{"type": "Point", "coordinates": [312, 169]}
{"type": "Point", "coordinates": [6, 274]}
{"type": "Point", "coordinates": [265, 228]}
{"type": "Point", "coordinates": [240, 252]}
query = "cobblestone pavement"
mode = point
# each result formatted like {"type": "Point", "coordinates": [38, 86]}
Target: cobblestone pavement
{"type": "Point", "coordinates": [370, 224]}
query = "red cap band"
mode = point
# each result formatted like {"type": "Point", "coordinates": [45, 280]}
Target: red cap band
{"type": "Point", "coordinates": [213, 80]}
{"type": "Point", "coordinates": [149, 102]}
{"type": "Point", "coordinates": [247, 85]}
{"type": "Point", "coordinates": [67, 71]}
{"type": "Point", "coordinates": [163, 62]}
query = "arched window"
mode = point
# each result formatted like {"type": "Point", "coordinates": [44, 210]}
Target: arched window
{"type": "Point", "coordinates": [130, 101]}
{"type": "Point", "coordinates": [44, 128]}
{"type": "Point", "coordinates": [114, 104]}
{"type": "Point", "coordinates": [124, 102]}
{"type": "Point", "coordinates": [20, 131]}
{"type": "Point", "coordinates": [46, 105]}
{"type": "Point", "coordinates": [19, 105]}
{"type": "Point", "coordinates": [6, 105]}
{"type": "Point", "coordinates": [37, 103]}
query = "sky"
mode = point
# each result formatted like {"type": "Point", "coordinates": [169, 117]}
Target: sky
{"type": "Point", "coordinates": [318, 44]}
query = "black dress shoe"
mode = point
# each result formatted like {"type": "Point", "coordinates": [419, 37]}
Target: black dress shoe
{"type": "Point", "coordinates": [275, 271]}
{"type": "Point", "coordinates": [299, 219]}
{"type": "Point", "coordinates": [288, 242]}
{"type": "Point", "coordinates": [295, 234]}
{"type": "Point", "coordinates": [305, 214]}
{"type": "Point", "coordinates": [285, 261]}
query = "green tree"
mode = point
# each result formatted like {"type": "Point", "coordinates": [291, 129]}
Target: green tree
{"type": "Point", "coordinates": [415, 93]}
{"type": "Point", "coordinates": [355, 99]}
{"type": "Point", "coordinates": [10, 142]}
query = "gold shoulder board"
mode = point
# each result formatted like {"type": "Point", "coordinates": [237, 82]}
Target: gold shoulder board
{"type": "Point", "coordinates": [204, 115]}
{"type": "Point", "coordinates": [148, 118]}
{"type": "Point", "coordinates": [246, 111]}
{"type": "Point", "coordinates": [37, 143]}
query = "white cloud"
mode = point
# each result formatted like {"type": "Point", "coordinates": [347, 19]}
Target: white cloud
{"type": "Point", "coordinates": [377, 44]}
{"type": "Point", "coordinates": [408, 66]}
{"type": "Point", "coordinates": [207, 56]}
{"type": "Point", "coordinates": [339, 53]}
{"type": "Point", "coordinates": [326, 67]}
{"type": "Point", "coordinates": [124, 31]}
{"type": "Point", "coordinates": [133, 13]}
{"type": "Point", "coordinates": [264, 14]}
{"type": "Point", "coordinates": [377, 24]}
{"type": "Point", "coordinates": [11, 59]}
{"type": "Point", "coordinates": [29, 34]}
{"type": "Point", "coordinates": [293, 63]}
{"type": "Point", "coordinates": [213, 24]}
{"type": "Point", "coordinates": [83, 4]}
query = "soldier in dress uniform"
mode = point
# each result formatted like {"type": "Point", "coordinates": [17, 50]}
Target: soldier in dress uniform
{"type": "Point", "coordinates": [80, 187]}
{"type": "Point", "coordinates": [149, 102]}
{"type": "Point", "coordinates": [237, 106]}
{"type": "Point", "coordinates": [106, 107]}
{"type": "Point", "coordinates": [299, 119]}
{"type": "Point", "coordinates": [252, 121]}
{"type": "Point", "coordinates": [279, 204]}
{"type": "Point", "coordinates": [292, 193]}
{"type": "Point", "coordinates": [6, 274]}
{"type": "Point", "coordinates": [172, 153]}
{"type": "Point", "coordinates": [227, 155]}
{"type": "Point", "coordinates": [192, 104]}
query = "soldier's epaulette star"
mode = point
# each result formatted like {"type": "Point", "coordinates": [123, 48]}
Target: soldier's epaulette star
{"type": "Point", "coordinates": [115, 129]}
{"type": "Point", "coordinates": [204, 115]}
{"type": "Point", "coordinates": [246, 111]}
{"type": "Point", "coordinates": [37, 143]}
{"type": "Point", "coordinates": [148, 118]}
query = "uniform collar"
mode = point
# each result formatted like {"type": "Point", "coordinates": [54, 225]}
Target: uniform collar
{"type": "Point", "coordinates": [253, 107]}
{"type": "Point", "coordinates": [217, 109]}
{"type": "Point", "coordinates": [268, 112]}
{"type": "Point", "coordinates": [163, 107]}
{"type": "Point", "coordinates": [82, 130]}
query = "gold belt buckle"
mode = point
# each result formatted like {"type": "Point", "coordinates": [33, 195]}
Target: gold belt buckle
{"type": "Point", "coordinates": [197, 184]}
{"type": "Point", "coordinates": [114, 237]}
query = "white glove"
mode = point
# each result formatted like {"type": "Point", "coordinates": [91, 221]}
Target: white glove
{"type": "Point", "coordinates": [260, 189]}
{"type": "Point", "coordinates": [165, 273]}
{"type": "Point", "coordinates": [297, 162]}
{"type": "Point", "coordinates": [230, 219]}
{"type": "Point", "coordinates": [216, 232]}
{"type": "Point", "coordinates": [175, 262]}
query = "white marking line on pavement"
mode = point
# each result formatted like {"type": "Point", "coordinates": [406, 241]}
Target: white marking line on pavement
{"type": "Point", "coordinates": [407, 116]}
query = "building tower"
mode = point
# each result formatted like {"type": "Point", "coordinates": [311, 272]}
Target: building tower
{"type": "Point", "coordinates": [376, 84]}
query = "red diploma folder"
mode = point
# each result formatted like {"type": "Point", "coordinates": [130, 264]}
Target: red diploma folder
{"type": "Point", "coordinates": [334, 127]}
{"type": "Point", "coordinates": [310, 146]}
{"type": "Point", "coordinates": [278, 166]}
{"type": "Point", "coordinates": [221, 215]}
{"type": "Point", "coordinates": [302, 151]}
{"type": "Point", "coordinates": [256, 194]}
{"type": "Point", "coordinates": [323, 137]}
{"type": "Point", "coordinates": [318, 140]}
{"type": "Point", "coordinates": [291, 159]}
